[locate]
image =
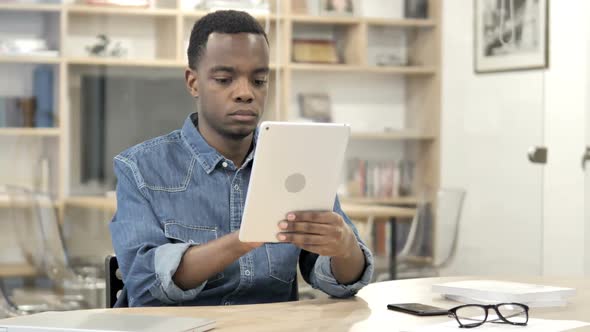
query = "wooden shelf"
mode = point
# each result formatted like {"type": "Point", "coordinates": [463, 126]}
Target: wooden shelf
{"type": "Point", "coordinates": [364, 211]}
{"type": "Point", "coordinates": [407, 70]}
{"type": "Point", "coordinates": [88, 61]}
{"type": "Point", "coordinates": [50, 132]}
{"type": "Point", "coordinates": [25, 59]}
{"type": "Point", "coordinates": [336, 20]}
{"type": "Point", "coordinates": [34, 7]}
{"type": "Point", "coordinates": [410, 200]}
{"type": "Point", "coordinates": [196, 14]}
{"type": "Point", "coordinates": [114, 10]}
{"type": "Point", "coordinates": [92, 202]}
{"type": "Point", "coordinates": [5, 202]}
{"type": "Point", "coordinates": [402, 23]}
{"type": "Point", "coordinates": [17, 270]}
{"type": "Point", "coordinates": [394, 135]}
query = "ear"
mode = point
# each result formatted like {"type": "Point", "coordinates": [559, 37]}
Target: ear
{"type": "Point", "coordinates": [190, 78]}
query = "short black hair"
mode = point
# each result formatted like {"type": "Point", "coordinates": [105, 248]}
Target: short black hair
{"type": "Point", "coordinates": [222, 21]}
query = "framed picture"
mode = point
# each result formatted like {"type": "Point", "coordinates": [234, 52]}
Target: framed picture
{"type": "Point", "coordinates": [510, 35]}
{"type": "Point", "coordinates": [315, 107]}
{"type": "Point", "coordinates": [337, 7]}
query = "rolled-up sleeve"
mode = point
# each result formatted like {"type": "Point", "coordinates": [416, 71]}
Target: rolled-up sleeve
{"type": "Point", "coordinates": [321, 276]}
{"type": "Point", "coordinates": [147, 259]}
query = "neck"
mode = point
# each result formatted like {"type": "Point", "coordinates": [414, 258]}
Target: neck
{"type": "Point", "coordinates": [235, 150]}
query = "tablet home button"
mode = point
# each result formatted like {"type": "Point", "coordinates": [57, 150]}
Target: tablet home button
{"type": "Point", "coordinates": [295, 183]}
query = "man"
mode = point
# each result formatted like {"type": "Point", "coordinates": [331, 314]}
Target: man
{"type": "Point", "coordinates": [180, 197]}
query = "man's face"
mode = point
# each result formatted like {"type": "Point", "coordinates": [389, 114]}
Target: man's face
{"type": "Point", "coordinates": [231, 82]}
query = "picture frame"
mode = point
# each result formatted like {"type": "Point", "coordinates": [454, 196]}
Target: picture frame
{"type": "Point", "coordinates": [337, 7]}
{"type": "Point", "coordinates": [315, 51]}
{"type": "Point", "coordinates": [316, 107]}
{"type": "Point", "coordinates": [510, 35]}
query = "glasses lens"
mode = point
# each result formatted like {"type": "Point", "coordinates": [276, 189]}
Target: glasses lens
{"type": "Point", "coordinates": [471, 315]}
{"type": "Point", "coordinates": [514, 313]}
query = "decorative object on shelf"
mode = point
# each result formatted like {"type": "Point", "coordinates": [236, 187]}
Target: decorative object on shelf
{"type": "Point", "coordinates": [25, 46]}
{"type": "Point", "coordinates": [101, 48]}
{"type": "Point", "coordinates": [416, 9]}
{"type": "Point", "coordinates": [314, 51]}
{"type": "Point", "coordinates": [337, 7]}
{"type": "Point", "coordinates": [121, 3]}
{"type": "Point", "coordinates": [387, 46]}
{"type": "Point", "coordinates": [510, 35]}
{"type": "Point", "coordinates": [17, 112]}
{"type": "Point", "coordinates": [315, 106]}
{"type": "Point", "coordinates": [305, 7]}
{"type": "Point", "coordinates": [390, 9]}
{"type": "Point", "coordinates": [406, 182]}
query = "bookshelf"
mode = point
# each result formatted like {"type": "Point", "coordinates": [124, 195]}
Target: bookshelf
{"type": "Point", "coordinates": [162, 32]}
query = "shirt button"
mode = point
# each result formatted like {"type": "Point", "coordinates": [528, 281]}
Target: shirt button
{"type": "Point", "coordinates": [247, 272]}
{"type": "Point", "coordinates": [236, 187]}
{"type": "Point", "coordinates": [224, 164]}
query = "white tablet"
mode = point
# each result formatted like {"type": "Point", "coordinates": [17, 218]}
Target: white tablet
{"type": "Point", "coordinates": [296, 168]}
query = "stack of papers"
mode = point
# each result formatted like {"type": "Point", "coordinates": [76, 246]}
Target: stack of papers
{"type": "Point", "coordinates": [492, 292]}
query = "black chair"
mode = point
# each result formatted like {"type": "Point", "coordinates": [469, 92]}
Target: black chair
{"type": "Point", "coordinates": [114, 283]}
{"type": "Point", "coordinates": [114, 280]}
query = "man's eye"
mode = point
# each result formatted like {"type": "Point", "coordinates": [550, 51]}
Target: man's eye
{"type": "Point", "coordinates": [223, 81]}
{"type": "Point", "coordinates": [260, 82]}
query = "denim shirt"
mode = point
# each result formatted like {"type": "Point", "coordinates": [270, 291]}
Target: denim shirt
{"type": "Point", "coordinates": [176, 191]}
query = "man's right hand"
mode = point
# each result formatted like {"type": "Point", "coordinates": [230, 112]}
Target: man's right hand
{"type": "Point", "coordinates": [248, 246]}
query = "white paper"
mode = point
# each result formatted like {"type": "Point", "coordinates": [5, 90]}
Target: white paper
{"type": "Point", "coordinates": [531, 304]}
{"type": "Point", "coordinates": [503, 291]}
{"type": "Point", "coordinates": [534, 325]}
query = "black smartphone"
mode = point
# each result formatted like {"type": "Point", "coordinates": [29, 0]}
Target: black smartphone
{"type": "Point", "coordinates": [418, 309]}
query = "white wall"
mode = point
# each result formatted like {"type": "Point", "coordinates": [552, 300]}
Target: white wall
{"type": "Point", "coordinates": [565, 100]}
{"type": "Point", "coordinates": [488, 123]}
{"type": "Point", "coordinates": [519, 218]}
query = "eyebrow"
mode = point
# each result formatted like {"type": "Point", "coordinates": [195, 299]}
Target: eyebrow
{"type": "Point", "coordinates": [231, 70]}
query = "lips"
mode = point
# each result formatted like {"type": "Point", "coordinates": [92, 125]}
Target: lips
{"type": "Point", "coordinates": [244, 115]}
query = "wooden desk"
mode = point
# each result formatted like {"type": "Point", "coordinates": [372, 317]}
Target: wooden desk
{"type": "Point", "coordinates": [366, 312]}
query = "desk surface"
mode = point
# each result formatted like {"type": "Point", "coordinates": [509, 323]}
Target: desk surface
{"type": "Point", "coordinates": [366, 312]}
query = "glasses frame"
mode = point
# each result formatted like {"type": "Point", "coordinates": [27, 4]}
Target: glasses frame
{"type": "Point", "coordinates": [486, 307]}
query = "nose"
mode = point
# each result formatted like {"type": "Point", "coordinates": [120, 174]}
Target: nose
{"type": "Point", "coordinates": [243, 92]}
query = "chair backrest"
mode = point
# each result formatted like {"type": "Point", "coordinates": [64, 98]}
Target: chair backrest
{"type": "Point", "coordinates": [114, 280]}
{"type": "Point", "coordinates": [448, 218]}
{"type": "Point", "coordinates": [444, 214]}
{"type": "Point", "coordinates": [38, 232]}
{"type": "Point", "coordinates": [22, 214]}
{"type": "Point", "coordinates": [7, 307]}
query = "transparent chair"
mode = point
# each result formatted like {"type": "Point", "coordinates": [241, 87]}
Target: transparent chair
{"type": "Point", "coordinates": [418, 257]}
{"type": "Point", "coordinates": [39, 237]}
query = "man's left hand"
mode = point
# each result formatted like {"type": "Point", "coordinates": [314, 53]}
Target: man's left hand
{"type": "Point", "coordinates": [323, 233]}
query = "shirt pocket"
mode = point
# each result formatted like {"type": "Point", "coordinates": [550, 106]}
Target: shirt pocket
{"type": "Point", "coordinates": [192, 234]}
{"type": "Point", "coordinates": [282, 261]}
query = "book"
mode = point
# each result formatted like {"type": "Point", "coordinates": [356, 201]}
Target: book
{"type": "Point", "coordinates": [44, 94]}
{"type": "Point", "coordinates": [503, 291]}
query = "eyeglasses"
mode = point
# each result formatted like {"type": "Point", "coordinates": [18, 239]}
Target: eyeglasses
{"type": "Point", "coordinates": [474, 315]}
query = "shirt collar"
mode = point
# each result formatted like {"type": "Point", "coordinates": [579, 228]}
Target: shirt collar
{"type": "Point", "coordinates": [206, 155]}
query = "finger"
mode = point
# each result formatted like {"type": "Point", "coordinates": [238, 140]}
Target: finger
{"type": "Point", "coordinates": [314, 216]}
{"type": "Point", "coordinates": [305, 227]}
{"type": "Point", "coordinates": [302, 239]}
